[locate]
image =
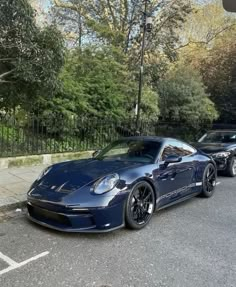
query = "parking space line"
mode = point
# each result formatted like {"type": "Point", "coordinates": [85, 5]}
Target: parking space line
{"type": "Point", "coordinates": [218, 183]}
{"type": "Point", "coordinates": [7, 259]}
{"type": "Point", "coordinates": [14, 265]}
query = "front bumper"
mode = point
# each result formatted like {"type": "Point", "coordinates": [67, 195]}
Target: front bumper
{"type": "Point", "coordinates": [221, 163]}
{"type": "Point", "coordinates": [100, 219]}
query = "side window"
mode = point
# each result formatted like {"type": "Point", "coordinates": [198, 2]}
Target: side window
{"type": "Point", "coordinates": [188, 150]}
{"type": "Point", "coordinates": [177, 148]}
{"type": "Point", "coordinates": [169, 149]}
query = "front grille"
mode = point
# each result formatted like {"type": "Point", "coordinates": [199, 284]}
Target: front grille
{"type": "Point", "coordinates": [48, 216]}
{"type": "Point", "coordinates": [64, 188]}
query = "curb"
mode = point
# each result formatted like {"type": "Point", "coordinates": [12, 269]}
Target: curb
{"type": "Point", "coordinates": [12, 206]}
{"type": "Point", "coordinates": [43, 159]}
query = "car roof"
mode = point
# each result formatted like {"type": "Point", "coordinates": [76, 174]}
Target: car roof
{"type": "Point", "coordinates": [222, 130]}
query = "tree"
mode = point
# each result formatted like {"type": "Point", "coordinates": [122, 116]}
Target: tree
{"type": "Point", "coordinates": [183, 97]}
{"type": "Point", "coordinates": [207, 22]}
{"type": "Point", "coordinates": [30, 58]}
{"type": "Point", "coordinates": [117, 22]}
{"type": "Point", "coordinates": [97, 83]}
{"type": "Point", "coordinates": [208, 46]}
{"type": "Point", "coordinates": [219, 75]}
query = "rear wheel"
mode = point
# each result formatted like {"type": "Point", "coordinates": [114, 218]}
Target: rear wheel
{"type": "Point", "coordinates": [209, 180]}
{"type": "Point", "coordinates": [140, 206]}
{"type": "Point", "coordinates": [231, 170]}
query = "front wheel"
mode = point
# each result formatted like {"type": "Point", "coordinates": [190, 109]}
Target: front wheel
{"type": "Point", "coordinates": [140, 206]}
{"type": "Point", "coordinates": [231, 170]}
{"type": "Point", "coordinates": [209, 180]}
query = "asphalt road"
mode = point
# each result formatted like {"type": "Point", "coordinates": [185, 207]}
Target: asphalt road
{"type": "Point", "coordinates": [190, 244]}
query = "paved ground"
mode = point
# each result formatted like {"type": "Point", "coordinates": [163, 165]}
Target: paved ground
{"type": "Point", "coordinates": [15, 182]}
{"type": "Point", "coordinates": [191, 244]}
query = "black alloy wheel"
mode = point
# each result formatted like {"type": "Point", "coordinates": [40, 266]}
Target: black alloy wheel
{"type": "Point", "coordinates": [209, 180]}
{"type": "Point", "coordinates": [140, 206]}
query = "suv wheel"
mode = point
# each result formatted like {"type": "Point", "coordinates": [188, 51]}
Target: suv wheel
{"type": "Point", "coordinates": [231, 170]}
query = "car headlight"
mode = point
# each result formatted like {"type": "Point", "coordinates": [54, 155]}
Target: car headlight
{"type": "Point", "coordinates": [44, 172]}
{"type": "Point", "coordinates": [106, 184]}
{"type": "Point", "coordinates": [221, 154]}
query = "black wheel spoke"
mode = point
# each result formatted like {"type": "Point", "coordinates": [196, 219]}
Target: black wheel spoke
{"type": "Point", "coordinates": [211, 175]}
{"type": "Point", "coordinates": [140, 215]}
{"type": "Point", "coordinates": [135, 213]}
{"type": "Point", "coordinates": [142, 193]}
{"type": "Point", "coordinates": [209, 186]}
{"type": "Point", "coordinates": [135, 197]}
{"type": "Point", "coordinates": [147, 197]}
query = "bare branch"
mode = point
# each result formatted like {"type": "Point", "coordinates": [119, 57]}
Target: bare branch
{"type": "Point", "coordinates": [209, 40]}
{"type": "Point", "coordinates": [130, 28]}
{"type": "Point", "coordinates": [6, 74]}
{"type": "Point", "coordinates": [112, 14]}
{"type": "Point", "coordinates": [66, 5]}
{"type": "Point", "coordinates": [5, 82]}
{"type": "Point", "coordinates": [7, 59]}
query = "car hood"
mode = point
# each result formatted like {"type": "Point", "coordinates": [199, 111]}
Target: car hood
{"type": "Point", "coordinates": [70, 177]}
{"type": "Point", "coordinates": [210, 148]}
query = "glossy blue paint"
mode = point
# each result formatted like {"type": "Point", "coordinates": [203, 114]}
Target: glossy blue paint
{"type": "Point", "coordinates": [64, 198]}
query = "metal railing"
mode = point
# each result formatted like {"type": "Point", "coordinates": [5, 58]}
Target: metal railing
{"type": "Point", "coordinates": [45, 134]}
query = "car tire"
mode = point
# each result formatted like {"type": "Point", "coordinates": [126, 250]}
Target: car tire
{"type": "Point", "coordinates": [140, 206]}
{"type": "Point", "coordinates": [209, 180]}
{"type": "Point", "coordinates": [231, 169]}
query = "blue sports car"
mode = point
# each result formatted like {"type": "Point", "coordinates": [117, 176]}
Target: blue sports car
{"type": "Point", "coordinates": [121, 185]}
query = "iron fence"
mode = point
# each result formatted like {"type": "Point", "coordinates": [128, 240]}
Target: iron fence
{"type": "Point", "coordinates": [42, 134]}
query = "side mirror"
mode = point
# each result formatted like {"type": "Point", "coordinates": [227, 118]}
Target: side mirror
{"type": "Point", "coordinates": [173, 159]}
{"type": "Point", "coordinates": [96, 153]}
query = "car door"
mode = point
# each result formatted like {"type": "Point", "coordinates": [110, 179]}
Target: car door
{"type": "Point", "coordinates": [174, 179]}
{"type": "Point", "coordinates": [185, 170]}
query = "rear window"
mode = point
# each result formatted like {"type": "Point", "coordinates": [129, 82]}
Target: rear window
{"type": "Point", "coordinates": [219, 137]}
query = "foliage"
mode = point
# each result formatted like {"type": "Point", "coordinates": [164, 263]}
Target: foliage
{"type": "Point", "coordinates": [30, 58]}
{"type": "Point", "coordinates": [207, 22]}
{"type": "Point", "coordinates": [219, 75]}
{"type": "Point", "coordinates": [150, 105]}
{"type": "Point", "coordinates": [189, 61]}
{"type": "Point", "coordinates": [96, 82]}
{"type": "Point", "coordinates": [118, 23]}
{"type": "Point", "coordinates": [183, 97]}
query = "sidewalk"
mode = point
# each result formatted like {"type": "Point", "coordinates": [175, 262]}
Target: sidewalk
{"type": "Point", "coordinates": [14, 184]}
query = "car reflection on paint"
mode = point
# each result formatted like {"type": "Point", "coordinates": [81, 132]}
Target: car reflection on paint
{"type": "Point", "coordinates": [121, 186]}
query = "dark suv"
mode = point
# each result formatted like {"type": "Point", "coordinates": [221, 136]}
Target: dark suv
{"type": "Point", "coordinates": [221, 145]}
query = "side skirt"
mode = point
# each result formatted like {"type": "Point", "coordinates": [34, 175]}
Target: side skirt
{"type": "Point", "coordinates": [178, 201]}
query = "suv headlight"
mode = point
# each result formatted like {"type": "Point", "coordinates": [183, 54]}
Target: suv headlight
{"type": "Point", "coordinates": [106, 184]}
{"type": "Point", "coordinates": [44, 172]}
{"type": "Point", "coordinates": [221, 154]}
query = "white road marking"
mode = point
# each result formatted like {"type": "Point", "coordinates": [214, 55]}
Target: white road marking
{"type": "Point", "coordinates": [7, 259]}
{"type": "Point", "coordinates": [218, 183]}
{"type": "Point", "coordinates": [14, 265]}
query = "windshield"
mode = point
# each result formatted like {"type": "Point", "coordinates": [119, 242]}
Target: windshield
{"type": "Point", "coordinates": [131, 150]}
{"type": "Point", "coordinates": [219, 137]}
